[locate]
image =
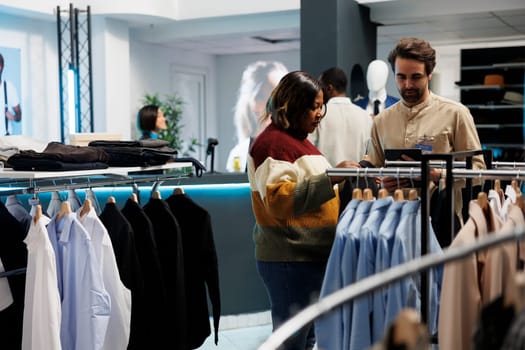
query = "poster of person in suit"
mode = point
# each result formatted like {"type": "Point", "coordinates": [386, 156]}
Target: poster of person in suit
{"type": "Point", "coordinates": [11, 116]}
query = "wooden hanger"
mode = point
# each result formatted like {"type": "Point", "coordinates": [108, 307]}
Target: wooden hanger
{"type": "Point", "coordinates": [368, 195]}
{"type": "Point", "coordinates": [156, 195]}
{"type": "Point", "coordinates": [515, 186]}
{"type": "Point", "coordinates": [38, 213]}
{"type": "Point", "coordinates": [499, 191]}
{"type": "Point", "coordinates": [382, 193]}
{"type": "Point", "coordinates": [178, 190]}
{"type": "Point", "coordinates": [412, 195]}
{"type": "Point", "coordinates": [519, 195]}
{"type": "Point", "coordinates": [65, 208]}
{"type": "Point", "coordinates": [86, 207]}
{"type": "Point", "coordinates": [398, 195]}
{"type": "Point", "coordinates": [111, 199]}
{"type": "Point", "coordinates": [134, 197]}
{"type": "Point", "coordinates": [357, 194]}
{"type": "Point", "coordinates": [483, 201]}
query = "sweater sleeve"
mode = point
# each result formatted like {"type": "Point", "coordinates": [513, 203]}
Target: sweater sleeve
{"type": "Point", "coordinates": [287, 191]}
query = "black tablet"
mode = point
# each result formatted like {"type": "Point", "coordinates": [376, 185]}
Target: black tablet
{"type": "Point", "coordinates": [395, 153]}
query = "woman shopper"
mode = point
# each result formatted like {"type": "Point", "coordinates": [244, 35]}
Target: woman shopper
{"type": "Point", "coordinates": [296, 205]}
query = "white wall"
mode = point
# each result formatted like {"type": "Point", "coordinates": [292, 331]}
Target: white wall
{"type": "Point", "coordinates": [111, 76]}
{"type": "Point", "coordinates": [150, 69]}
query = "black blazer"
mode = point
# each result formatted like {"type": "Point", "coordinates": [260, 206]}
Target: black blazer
{"type": "Point", "coordinates": [150, 332]}
{"type": "Point", "coordinates": [13, 253]}
{"type": "Point", "coordinates": [169, 244]}
{"type": "Point", "coordinates": [201, 267]}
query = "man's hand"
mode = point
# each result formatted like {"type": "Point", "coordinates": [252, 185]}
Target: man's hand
{"type": "Point", "coordinates": [16, 116]}
{"type": "Point", "coordinates": [10, 115]}
{"type": "Point", "coordinates": [391, 183]}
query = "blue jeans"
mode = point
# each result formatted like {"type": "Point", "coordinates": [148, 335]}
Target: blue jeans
{"type": "Point", "coordinates": [291, 287]}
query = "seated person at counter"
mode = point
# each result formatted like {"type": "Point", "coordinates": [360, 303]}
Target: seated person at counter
{"type": "Point", "coordinates": [151, 120]}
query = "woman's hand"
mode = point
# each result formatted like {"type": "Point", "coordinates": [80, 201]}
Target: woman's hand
{"type": "Point", "coordinates": [344, 164]}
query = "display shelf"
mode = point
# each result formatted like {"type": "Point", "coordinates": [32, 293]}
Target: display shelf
{"type": "Point", "coordinates": [7, 173]}
{"type": "Point", "coordinates": [520, 106]}
{"type": "Point", "coordinates": [515, 65]}
{"type": "Point", "coordinates": [489, 87]}
{"type": "Point", "coordinates": [498, 110]}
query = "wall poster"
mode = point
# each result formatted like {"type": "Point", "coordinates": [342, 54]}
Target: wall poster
{"type": "Point", "coordinates": [10, 90]}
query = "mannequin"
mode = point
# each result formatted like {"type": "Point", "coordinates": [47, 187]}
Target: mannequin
{"type": "Point", "coordinates": [376, 78]}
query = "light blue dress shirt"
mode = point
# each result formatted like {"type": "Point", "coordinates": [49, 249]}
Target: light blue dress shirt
{"type": "Point", "coordinates": [74, 201]}
{"type": "Point", "coordinates": [407, 246]}
{"type": "Point", "coordinates": [54, 204]}
{"type": "Point", "coordinates": [20, 213]}
{"type": "Point", "coordinates": [349, 263]}
{"type": "Point", "coordinates": [385, 241]}
{"type": "Point", "coordinates": [90, 194]}
{"type": "Point", "coordinates": [85, 303]}
{"type": "Point", "coordinates": [329, 328]}
{"type": "Point", "coordinates": [361, 334]}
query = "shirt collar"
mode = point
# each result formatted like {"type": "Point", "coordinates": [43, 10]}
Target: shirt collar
{"type": "Point", "coordinates": [341, 100]}
{"type": "Point", "coordinates": [419, 107]}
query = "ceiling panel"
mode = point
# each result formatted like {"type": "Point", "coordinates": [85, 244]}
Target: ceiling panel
{"type": "Point", "coordinates": [403, 20]}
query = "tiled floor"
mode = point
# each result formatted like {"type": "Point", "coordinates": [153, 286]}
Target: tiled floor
{"type": "Point", "coordinates": [241, 332]}
{"type": "Point", "coordinates": [248, 338]}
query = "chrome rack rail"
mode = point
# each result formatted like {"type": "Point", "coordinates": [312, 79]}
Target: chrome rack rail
{"type": "Point", "coordinates": [25, 182]}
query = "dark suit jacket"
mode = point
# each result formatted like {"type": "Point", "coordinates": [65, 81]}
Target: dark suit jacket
{"type": "Point", "coordinates": [201, 267]}
{"type": "Point", "coordinates": [169, 244]}
{"type": "Point", "coordinates": [363, 103]}
{"type": "Point", "coordinates": [13, 253]}
{"type": "Point", "coordinates": [152, 309]}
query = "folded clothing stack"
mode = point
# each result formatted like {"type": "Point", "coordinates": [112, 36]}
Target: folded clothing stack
{"type": "Point", "coordinates": [58, 157]}
{"type": "Point", "coordinates": [136, 153]}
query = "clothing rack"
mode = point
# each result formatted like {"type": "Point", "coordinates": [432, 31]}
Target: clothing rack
{"type": "Point", "coordinates": [423, 172]}
{"type": "Point", "coordinates": [455, 164]}
{"type": "Point", "coordinates": [13, 272]}
{"type": "Point", "coordinates": [85, 179]}
{"type": "Point", "coordinates": [382, 279]}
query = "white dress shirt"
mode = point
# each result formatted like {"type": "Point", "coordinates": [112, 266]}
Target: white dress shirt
{"type": "Point", "coordinates": [42, 309]}
{"type": "Point", "coordinates": [344, 131]}
{"type": "Point", "coordinates": [117, 335]}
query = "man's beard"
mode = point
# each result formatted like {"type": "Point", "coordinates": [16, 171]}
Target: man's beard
{"type": "Point", "coordinates": [414, 96]}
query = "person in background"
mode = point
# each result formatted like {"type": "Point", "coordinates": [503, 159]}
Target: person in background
{"type": "Point", "coordinates": [151, 120]}
{"type": "Point", "coordinates": [258, 80]}
{"type": "Point", "coordinates": [422, 119]}
{"type": "Point", "coordinates": [296, 205]}
{"type": "Point", "coordinates": [9, 97]}
{"type": "Point", "coordinates": [345, 130]}
{"type": "Point", "coordinates": [378, 98]}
